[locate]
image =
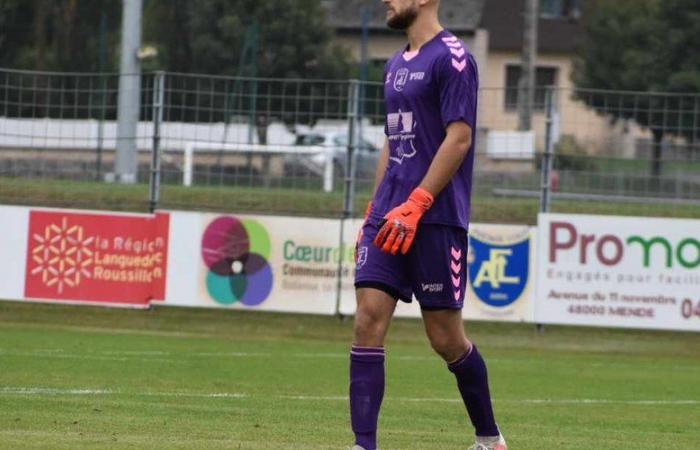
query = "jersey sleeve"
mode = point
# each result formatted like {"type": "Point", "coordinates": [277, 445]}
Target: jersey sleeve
{"type": "Point", "coordinates": [458, 84]}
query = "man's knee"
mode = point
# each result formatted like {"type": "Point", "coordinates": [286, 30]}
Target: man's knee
{"type": "Point", "coordinates": [448, 348]}
{"type": "Point", "coordinates": [370, 326]}
{"type": "Point", "coordinates": [373, 315]}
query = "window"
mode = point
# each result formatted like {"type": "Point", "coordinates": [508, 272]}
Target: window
{"type": "Point", "coordinates": [546, 76]}
{"type": "Point", "coordinates": [551, 8]}
{"type": "Point", "coordinates": [557, 9]}
{"type": "Point", "coordinates": [310, 139]}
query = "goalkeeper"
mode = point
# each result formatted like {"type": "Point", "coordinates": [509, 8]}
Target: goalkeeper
{"type": "Point", "coordinates": [414, 239]}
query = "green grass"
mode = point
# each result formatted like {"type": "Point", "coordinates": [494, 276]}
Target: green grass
{"type": "Point", "coordinates": [73, 377]}
{"type": "Point", "coordinates": [286, 201]}
{"type": "Point", "coordinates": [641, 166]}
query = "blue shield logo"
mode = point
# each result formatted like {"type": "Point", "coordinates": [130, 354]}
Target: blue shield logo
{"type": "Point", "coordinates": [498, 274]}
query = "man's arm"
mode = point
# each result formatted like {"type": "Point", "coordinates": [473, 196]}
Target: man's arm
{"type": "Point", "coordinates": [382, 162]}
{"type": "Point", "coordinates": [448, 158]}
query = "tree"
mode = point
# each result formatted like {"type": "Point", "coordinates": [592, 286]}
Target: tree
{"type": "Point", "coordinates": [207, 36]}
{"type": "Point", "coordinates": [57, 35]}
{"type": "Point", "coordinates": [292, 41]}
{"type": "Point", "coordinates": [15, 20]}
{"type": "Point", "coordinates": [649, 47]}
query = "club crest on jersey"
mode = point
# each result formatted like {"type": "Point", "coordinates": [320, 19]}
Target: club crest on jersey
{"type": "Point", "coordinates": [400, 79]}
{"type": "Point", "coordinates": [401, 127]}
{"type": "Point", "coordinates": [498, 274]}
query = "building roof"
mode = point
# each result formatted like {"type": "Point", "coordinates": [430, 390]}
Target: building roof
{"type": "Point", "coordinates": [504, 21]}
{"type": "Point", "coordinates": [455, 15]}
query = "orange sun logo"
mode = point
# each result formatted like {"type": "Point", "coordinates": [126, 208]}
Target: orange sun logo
{"type": "Point", "coordinates": [61, 255]}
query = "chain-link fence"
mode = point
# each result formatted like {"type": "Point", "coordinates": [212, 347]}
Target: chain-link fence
{"type": "Point", "coordinates": [309, 147]}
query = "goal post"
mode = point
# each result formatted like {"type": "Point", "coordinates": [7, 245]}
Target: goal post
{"type": "Point", "coordinates": [323, 154]}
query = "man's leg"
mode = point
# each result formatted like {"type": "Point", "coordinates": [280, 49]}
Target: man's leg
{"type": "Point", "coordinates": [446, 334]}
{"type": "Point", "coordinates": [374, 311]}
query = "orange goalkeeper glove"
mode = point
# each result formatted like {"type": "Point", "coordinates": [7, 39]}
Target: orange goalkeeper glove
{"type": "Point", "coordinates": [398, 228]}
{"type": "Point", "coordinates": [361, 232]}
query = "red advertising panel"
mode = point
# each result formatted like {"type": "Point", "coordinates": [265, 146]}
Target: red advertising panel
{"type": "Point", "coordinates": [105, 258]}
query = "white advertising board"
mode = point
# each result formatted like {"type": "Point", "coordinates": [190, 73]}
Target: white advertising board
{"type": "Point", "coordinates": [14, 226]}
{"type": "Point", "coordinates": [619, 272]}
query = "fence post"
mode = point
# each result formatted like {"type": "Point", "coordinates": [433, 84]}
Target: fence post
{"type": "Point", "coordinates": [100, 126]}
{"type": "Point", "coordinates": [545, 194]}
{"type": "Point", "coordinates": [349, 185]}
{"type": "Point", "coordinates": [547, 161]}
{"type": "Point", "coordinates": [157, 109]}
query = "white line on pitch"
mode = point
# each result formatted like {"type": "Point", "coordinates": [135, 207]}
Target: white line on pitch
{"type": "Point", "coordinates": [38, 391]}
{"type": "Point", "coordinates": [158, 356]}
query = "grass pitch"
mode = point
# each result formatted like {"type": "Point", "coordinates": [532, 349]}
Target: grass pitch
{"type": "Point", "coordinates": [76, 377]}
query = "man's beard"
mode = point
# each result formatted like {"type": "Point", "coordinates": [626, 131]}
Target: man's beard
{"type": "Point", "coordinates": [403, 20]}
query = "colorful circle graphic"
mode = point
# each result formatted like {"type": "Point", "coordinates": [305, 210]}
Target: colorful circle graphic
{"type": "Point", "coordinates": [236, 253]}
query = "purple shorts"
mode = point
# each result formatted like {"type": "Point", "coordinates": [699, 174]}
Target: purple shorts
{"type": "Point", "coordinates": [434, 269]}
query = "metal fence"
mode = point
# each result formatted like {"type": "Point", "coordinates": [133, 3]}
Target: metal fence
{"type": "Point", "coordinates": [308, 147]}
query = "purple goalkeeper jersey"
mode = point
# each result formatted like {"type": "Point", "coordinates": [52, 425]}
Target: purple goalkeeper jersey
{"type": "Point", "coordinates": [424, 92]}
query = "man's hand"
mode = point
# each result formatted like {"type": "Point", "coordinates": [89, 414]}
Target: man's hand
{"type": "Point", "coordinates": [398, 228]}
{"type": "Point", "coordinates": [360, 233]}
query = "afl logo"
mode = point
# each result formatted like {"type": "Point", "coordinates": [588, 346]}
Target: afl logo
{"type": "Point", "coordinates": [498, 272]}
{"type": "Point", "coordinates": [400, 79]}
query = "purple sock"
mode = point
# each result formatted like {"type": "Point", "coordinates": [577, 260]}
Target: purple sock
{"type": "Point", "coordinates": [366, 393]}
{"type": "Point", "coordinates": [473, 384]}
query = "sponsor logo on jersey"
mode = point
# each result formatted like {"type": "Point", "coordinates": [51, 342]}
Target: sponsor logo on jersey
{"type": "Point", "coordinates": [498, 273]}
{"type": "Point", "coordinates": [416, 76]}
{"type": "Point", "coordinates": [401, 127]}
{"type": "Point", "coordinates": [432, 287]}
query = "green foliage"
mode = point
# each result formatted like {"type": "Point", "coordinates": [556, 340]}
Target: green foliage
{"type": "Point", "coordinates": [618, 50]}
{"type": "Point", "coordinates": [570, 155]}
{"type": "Point", "coordinates": [207, 36]}
{"type": "Point", "coordinates": [647, 46]}
{"type": "Point", "coordinates": [57, 35]}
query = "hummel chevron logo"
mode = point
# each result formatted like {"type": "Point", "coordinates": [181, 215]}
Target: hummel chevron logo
{"type": "Point", "coordinates": [456, 267]}
{"type": "Point", "coordinates": [458, 52]}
